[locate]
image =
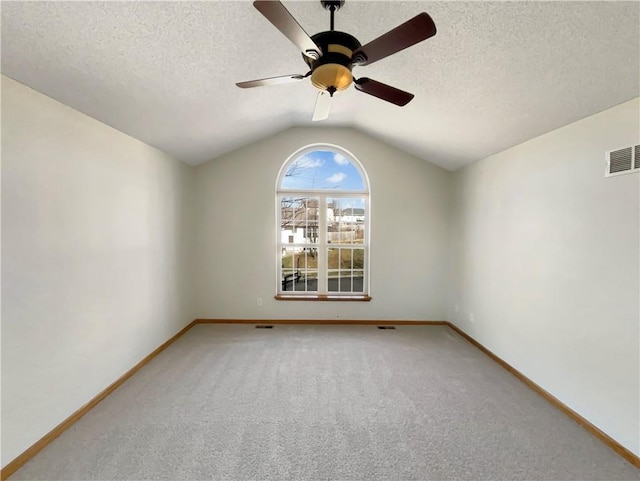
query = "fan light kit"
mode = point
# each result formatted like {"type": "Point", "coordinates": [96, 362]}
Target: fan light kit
{"type": "Point", "coordinates": [331, 55]}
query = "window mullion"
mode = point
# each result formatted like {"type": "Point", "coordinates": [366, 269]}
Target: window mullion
{"type": "Point", "coordinates": [322, 248]}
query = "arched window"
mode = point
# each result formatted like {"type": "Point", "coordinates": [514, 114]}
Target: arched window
{"type": "Point", "coordinates": [323, 225]}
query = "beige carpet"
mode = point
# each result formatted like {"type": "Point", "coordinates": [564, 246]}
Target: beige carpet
{"type": "Point", "coordinates": [325, 402]}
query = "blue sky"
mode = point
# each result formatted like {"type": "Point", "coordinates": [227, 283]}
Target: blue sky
{"type": "Point", "coordinates": [323, 169]}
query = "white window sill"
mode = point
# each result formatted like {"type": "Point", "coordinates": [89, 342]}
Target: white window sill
{"type": "Point", "coordinates": [306, 297]}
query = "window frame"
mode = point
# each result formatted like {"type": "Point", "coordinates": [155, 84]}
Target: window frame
{"type": "Point", "coordinates": [323, 245]}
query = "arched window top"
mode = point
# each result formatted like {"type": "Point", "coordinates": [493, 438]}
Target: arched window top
{"type": "Point", "coordinates": [322, 167]}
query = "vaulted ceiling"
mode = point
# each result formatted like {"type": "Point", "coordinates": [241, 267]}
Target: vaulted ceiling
{"type": "Point", "coordinates": [495, 74]}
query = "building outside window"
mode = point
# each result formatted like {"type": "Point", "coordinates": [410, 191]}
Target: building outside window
{"type": "Point", "coordinates": [323, 240]}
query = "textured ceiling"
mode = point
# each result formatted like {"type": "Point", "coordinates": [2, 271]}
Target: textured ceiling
{"type": "Point", "coordinates": [496, 73]}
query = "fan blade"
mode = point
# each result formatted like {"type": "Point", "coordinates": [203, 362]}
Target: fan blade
{"type": "Point", "coordinates": [285, 79]}
{"type": "Point", "coordinates": [383, 91]}
{"type": "Point", "coordinates": [419, 28]}
{"type": "Point", "coordinates": [323, 106]}
{"type": "Point", "coordinates": [280, 17]}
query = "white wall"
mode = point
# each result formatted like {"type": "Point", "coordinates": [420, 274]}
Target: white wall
{"type": "Point", "coordinates": [546, 256]}
{"type": "Point", "coordinates": [235, 214]}
{"type": "Point", "coordinates": [93, 259]}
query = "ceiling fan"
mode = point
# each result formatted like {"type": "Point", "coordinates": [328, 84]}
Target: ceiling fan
{"type": "Point", "coordinates": [331, 55]}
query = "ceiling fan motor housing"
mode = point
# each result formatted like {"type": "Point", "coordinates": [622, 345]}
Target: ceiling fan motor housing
{"type": "Point", "coordinates": [332, 71]}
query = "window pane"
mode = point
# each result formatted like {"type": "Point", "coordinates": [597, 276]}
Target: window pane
{"type": "Point", "coordinates": [312, 281]}
{"type": "Point", "coordinates": [345, 258]}
{"type": "Point", "coordinates": [345, 233]}
{"type": "Point", "coordinates": [299, 220]}
{"type": "Point", "coordinates": [333, 281]}
{"type": "Point", "coordinates": [345, 282]}
{"type": "Point", "coordinates": [299, 280]}
{"type": "Point", "coordinates": [333, 258]}
{"type": "Point", "coordinates": [358, 258]}
{"type": "Point", "coordinates": [358, 281]}
{"type": "Point", "coordinates": [346, 220]}
{"type": "Point", "coordinates": [322, 170]}
{"type": "Point", "coordinates": [287, 258]}
{"type": "Point", "coordinates": [300, 258]}
{"type": "Point", "coordinates": [299, 269]}
{"type": "Point", "coordinates": [287, 280]}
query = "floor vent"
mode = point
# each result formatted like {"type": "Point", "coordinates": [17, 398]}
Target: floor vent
{"type": "Point", "coordinates": [623, 161]}
{"type": "Point", "coordinates": [263, 326]}
{"type": "Point", "coordinates": [386, 327]}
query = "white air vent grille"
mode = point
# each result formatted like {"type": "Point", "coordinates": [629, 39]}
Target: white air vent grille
{"type": "Point", "coordinates": [623, 161]}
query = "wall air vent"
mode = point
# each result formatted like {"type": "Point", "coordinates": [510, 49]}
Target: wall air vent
{"type": "Point", "coordinates": [623, 161]}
